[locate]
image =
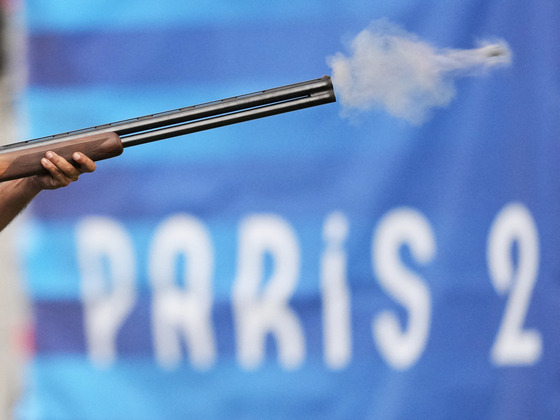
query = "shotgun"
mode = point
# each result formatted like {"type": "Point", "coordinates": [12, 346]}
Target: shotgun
{"type": "Point", "coordinates": [22, 159]}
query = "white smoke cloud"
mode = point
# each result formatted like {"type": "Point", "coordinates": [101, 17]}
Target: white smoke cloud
{"type": "Point", "coordinates": [392, 69]}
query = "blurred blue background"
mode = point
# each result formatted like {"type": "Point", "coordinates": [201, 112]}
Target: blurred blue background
{"type": "Point", "coordinates": [304, 265]}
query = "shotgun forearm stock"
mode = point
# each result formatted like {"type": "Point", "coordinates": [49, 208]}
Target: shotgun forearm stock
{"type": "Point", "coordinates": [105, 141]}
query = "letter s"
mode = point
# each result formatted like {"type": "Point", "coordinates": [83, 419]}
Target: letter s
{"type": "Point", "coordinates": [401, 347]}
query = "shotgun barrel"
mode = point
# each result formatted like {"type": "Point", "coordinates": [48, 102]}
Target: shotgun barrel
{"type": "Point", "coordinates": [22, 159]}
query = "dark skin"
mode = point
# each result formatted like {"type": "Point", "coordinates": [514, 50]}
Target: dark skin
{"type": "Point", "coordinates": [17, 194]}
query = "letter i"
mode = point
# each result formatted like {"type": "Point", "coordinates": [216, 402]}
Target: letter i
{"type": "Point", "coordinates": [337, 329]}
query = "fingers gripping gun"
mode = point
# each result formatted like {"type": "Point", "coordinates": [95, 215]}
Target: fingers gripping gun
{"type": "Point", "coordinates": [105, 141]}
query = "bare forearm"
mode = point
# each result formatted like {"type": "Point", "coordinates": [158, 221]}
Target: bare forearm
{"type": "Point", "coordinates": [14, 197]}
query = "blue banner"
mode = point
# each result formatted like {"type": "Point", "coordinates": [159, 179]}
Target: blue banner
{"type": "Point", "coordinates": [393, 255]}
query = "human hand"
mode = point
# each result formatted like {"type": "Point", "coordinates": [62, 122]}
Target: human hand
{"type": "Point", "coordinates": [61, 172]}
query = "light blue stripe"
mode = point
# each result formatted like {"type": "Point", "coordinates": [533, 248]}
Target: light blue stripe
{"type": "Point", "coordinates": [49, 250]}
{"type": "Point", "coordinates": [70, 387]}
{"type": "Point", "coordinates": [61, 15]}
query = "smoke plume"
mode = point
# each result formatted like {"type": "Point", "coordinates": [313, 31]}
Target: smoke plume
{"type": "Point", "coordinates": [392, 69]}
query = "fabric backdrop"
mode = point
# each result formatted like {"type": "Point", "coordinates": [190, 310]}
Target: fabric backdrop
{"type": "Point", "coordinates": [307, 265]}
